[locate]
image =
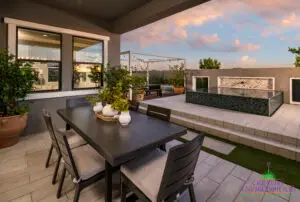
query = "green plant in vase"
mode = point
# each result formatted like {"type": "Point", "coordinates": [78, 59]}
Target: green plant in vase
{"type": "Point", "coordinates": [121, 104]}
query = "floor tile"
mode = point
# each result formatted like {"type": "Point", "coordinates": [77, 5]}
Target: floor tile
{"type": "Point", "coordinates": [26, 198]}
{"type": "Point", "coordinates": [220, 171]}
{"type": "Point", "coordinates": [218, 146]}
{"type": "Point", "coordinates": [241, 173]}
{"type": "Point", "coordinates": [212, 160]}
{"type": "Point", "coordinates": [253, 190]}
{"type": "Point", "coordinates": [201, 171]}
{"type": "Point", "coordinates": [228, 190]}
{"type": "Point", "coordinates": [205, 188]}
{"type": "Point", "coordinates": [272, 198]}
{"type": "Point", "coordinates": [295, 196]}
{"type": "Point", "coordinates": [14, 182]}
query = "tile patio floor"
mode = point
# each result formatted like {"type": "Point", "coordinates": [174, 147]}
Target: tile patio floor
{"type": "Point", "coordinates": [23, 178]}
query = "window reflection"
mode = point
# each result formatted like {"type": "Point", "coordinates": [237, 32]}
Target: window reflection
{"type": "Point", "coordinates": [87, 50]}
{"type": "Point", "coordinates": [43, 50]}
{"type": "Point", "coordinates": [87, 54]}
{"type": "Point", "coordinates": [81, 77]}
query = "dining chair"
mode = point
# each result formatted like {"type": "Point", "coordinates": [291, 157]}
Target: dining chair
{"type": "Point", "coordinates": [85, 165]}
{"type": "Point", "coordinates": [161, 176]}
{"type": "Point", "coordinates": [134, 105]}
{"type": "Point", "coordinates": [74, 140]}
{"type": "Point", "coordinates": [161, 113]}
{"type": "Point", "coordinates": [75, 102]}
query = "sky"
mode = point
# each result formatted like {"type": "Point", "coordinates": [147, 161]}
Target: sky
{"type": "Point", "coordinates": [239, 33]}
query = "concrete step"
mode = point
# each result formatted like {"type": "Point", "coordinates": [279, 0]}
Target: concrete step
{"type": "Point", "coordinates": [284, 137]}
{"type": "Point", "coordinates": [242, 137]}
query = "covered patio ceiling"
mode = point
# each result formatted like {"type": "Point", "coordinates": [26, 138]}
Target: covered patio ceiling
{"type": "Point", "coordinates": [120, 16]}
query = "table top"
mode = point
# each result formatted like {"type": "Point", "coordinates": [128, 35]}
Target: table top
{"type": "Point", "coordinates": [117, 143]}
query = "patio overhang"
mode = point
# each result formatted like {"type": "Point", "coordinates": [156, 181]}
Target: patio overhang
{"type": "Point", "coordinates": [118, 17]}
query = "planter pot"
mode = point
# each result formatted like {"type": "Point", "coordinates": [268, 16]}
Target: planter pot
{"type": "Point", "coordinates": [124, 118]}
{"type": "Point", "coordinates": [139, 97]}
{"type": "Point", "coordinates": [108, 111]}
{"type": "Point", "coordinates": [98, 107]}
{"type": "Point", "coordinates": [11, 128]}
{"type": "Point", "coordinates": [178, 90]}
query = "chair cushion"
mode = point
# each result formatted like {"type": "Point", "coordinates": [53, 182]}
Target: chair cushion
{"type": "Point", "coordinates": [146, 172]}
{"type": "Point", "coordinates": [74, 139]}
{"type": "Point", "coordinates": [88, 161]}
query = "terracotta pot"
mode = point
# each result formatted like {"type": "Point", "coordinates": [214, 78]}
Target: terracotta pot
{"type": "Point", "coordinates": [11, 128]}
{"type": "Point", "coordinates": [139, 97]}
{"type": "Point", "coordinates": [178, 90]}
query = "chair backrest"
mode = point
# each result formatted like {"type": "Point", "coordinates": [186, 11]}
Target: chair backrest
{"type": "Point", "coordinates": [66, 153]}
{"type": "Point", "coordinates": [159, 112]}
{"type": "Point", "coordinates": [48, 121]}
{"type": "Point", "coordinates": [180, 167]}
{"type": "Point", "coordinates": [77, 102]}
{"type": "Point", "coordinates": [134, 105]}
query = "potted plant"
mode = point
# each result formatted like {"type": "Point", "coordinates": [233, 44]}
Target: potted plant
{"type": "Point", "coordinates": [138, 86]}
{"type": "Point", "coordinates": [121, 104]}
{"type": "Point", "coordinates": [96, 101]}
{"type": "Point", "coordinates": [16, 82]}
{"type": "Point", "coordinates": [177, 78]}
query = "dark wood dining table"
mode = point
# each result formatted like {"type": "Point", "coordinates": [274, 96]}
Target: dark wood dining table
{"type": "Point", "coordinates": [116, 143]}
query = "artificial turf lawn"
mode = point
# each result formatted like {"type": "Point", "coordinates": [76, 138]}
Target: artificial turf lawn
{"type": "Point", "coordinates": [285, 170]}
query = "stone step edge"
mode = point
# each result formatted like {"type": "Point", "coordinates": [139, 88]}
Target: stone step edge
{"type": "Point", "coordinates": [270, 146]}
{"type": "Point", "coordinates": [260, 133]}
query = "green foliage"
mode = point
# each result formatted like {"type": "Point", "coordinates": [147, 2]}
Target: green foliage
{"type": "Point", "coordinates": [16, 82]}
{"type": "Point", "coordinates": [296, 51]}
{"type": "Point", "coordinates": [177, 78]}
{"type": "Point", "coordinates": [209, 63]}
{"type": "Point", "coordinates": [120, 102]}
{"type": "Point", "coordinates": [93, 99]}
{"type": "Point", "coordinates": [118, 82]}
{"type": "Point", "coordinates": [113, 75]}
{"type": "Point", "coordinates": [138, 83]}
{"type": "Point", "coordinates": [155, 79]}
{"type": "Point", "coordinates": [96, 74]}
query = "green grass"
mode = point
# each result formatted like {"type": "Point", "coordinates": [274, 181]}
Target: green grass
{"type": "Point", "coordinates": [285, 170]}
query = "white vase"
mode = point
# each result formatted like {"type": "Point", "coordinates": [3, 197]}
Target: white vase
{"type": "Point", "coordinates": [108, 111]}
{"type": "Point", "coordinates": [98, 107]}
{"type": "Point", "coordinates": [124, 118]}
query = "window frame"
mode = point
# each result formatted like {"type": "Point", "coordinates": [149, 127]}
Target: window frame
{"type": "Point", "coordinates": [86, 63]}
{"type": "Point", "coordinates": [45, 61]}
{"type": "Point", "coordinates": [194, 81]}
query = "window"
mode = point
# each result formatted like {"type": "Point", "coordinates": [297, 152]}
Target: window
{"type": "Point", "coordinates": [295, 90]}
{"type": "Point", "coordinates": [200, 82]}
{"type": "Point", "coordinates": [87, 54]}
{"type": "Point", "coordinates": [43, 50]}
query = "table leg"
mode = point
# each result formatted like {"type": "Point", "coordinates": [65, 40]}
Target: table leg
{"type": "Point", "coordinates": [108, 182]}
{"type": "Point", "coordinates": [68, 127]}
{"type": "Point", "coordinates": [163, 147]}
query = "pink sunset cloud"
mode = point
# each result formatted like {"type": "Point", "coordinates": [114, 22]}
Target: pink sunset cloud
{"type": "Point", "coordinates": [173, 28]}
{"type": "Point", "coordinates": [199, 41]}
{"type": "Point", "coordinates": [245, 47]}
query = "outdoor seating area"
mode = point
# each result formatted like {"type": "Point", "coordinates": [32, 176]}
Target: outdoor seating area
{"type": "Point", "coordinates": [24, 178]}
{"type": "Point", "coordinates": [149, 101]}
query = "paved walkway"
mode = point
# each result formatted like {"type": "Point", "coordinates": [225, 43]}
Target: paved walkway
{"type": "Point", "coordinates": [23, 178]}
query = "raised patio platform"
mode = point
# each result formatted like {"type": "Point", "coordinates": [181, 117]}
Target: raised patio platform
{"type": "Point", "coordinates": [279, 134]}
